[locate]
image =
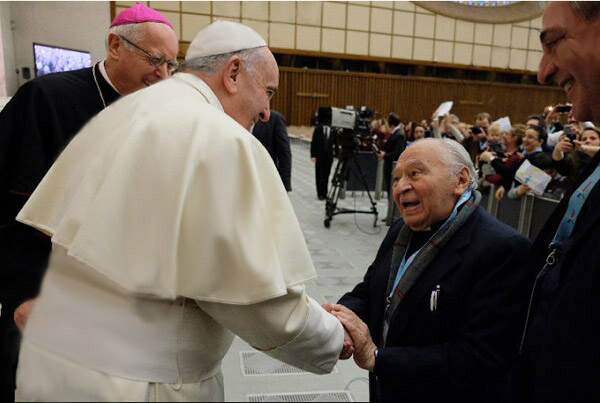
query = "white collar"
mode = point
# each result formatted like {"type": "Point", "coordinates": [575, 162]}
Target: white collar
{"type": "Point", "coordinates": [201, 87]}
{"type": "Point", "coordinates": [102, 69]}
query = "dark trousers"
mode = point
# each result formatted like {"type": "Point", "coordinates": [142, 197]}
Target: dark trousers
{"type": "Point", "coordinates": [9, 351]}
{"type": "Point", "coordinates": [23, 259]}
{"type": "Point", "coordinates": [322, 171]}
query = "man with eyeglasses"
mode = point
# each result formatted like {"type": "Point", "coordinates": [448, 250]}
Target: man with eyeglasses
{"type": "Point", "coordinates": [37, 124]}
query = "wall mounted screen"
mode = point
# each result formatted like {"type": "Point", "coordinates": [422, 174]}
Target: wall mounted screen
{"type": "Point", "coordinates": [52, 59]}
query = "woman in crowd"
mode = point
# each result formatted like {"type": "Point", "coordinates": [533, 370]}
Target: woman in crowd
{"type": "Point", "coordinates": [570, 156]}
{"type": "Point", "coordinates": [532, 141]}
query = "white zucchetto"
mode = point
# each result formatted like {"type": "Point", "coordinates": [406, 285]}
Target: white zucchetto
{"type": "Point", "coordinates": [223, 37]}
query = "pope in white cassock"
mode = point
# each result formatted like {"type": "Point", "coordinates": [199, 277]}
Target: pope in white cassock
{"type": "Point", "coordinates": [172, 232]}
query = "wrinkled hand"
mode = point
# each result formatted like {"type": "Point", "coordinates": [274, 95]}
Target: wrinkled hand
{"type": "Point", "coordinates": [364, 348]}
{"type": "Point", "coordinates": [22, 313]}
{"type": "Point", "coordinates": [348, 347]}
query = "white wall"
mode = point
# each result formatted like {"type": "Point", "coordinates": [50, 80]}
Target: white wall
{"type": "Point", "coordinates": [81, 25]}
{"type": "Point", "coordinates": [8, 84]}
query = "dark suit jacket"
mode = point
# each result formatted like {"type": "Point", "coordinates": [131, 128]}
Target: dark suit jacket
{"type": "Point", "coordinates": [395, 145]}
{"type": "Point", "coordinates": [564, 329]}
{"type": "Point", "coordinates": [461, 351]}
{"type": "Point", "coordinates": [273, 135]}
{"type": "Point", "coordinates": [321, 145]}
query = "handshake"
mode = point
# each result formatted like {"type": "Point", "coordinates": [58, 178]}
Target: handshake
{"type": "Point", "coordinates": [357, 338]}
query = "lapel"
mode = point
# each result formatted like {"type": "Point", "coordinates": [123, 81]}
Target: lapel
{"type": "Point", "coordinates": [448, 259]}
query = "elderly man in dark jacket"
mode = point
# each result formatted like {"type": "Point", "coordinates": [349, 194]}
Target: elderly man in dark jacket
{"type": "Point", "coordinates": [274, 136]}
{"type": "Point", "coordinates": [444, 298]}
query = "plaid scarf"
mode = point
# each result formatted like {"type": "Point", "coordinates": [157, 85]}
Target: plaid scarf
{"type": "Point", "coordinates": [425, 256]}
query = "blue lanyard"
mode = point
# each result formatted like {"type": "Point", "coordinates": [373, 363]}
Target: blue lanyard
{"type": "Point", "coordinates": [576, 202]}
{"type": "Point", "coordinates": [407, 262]}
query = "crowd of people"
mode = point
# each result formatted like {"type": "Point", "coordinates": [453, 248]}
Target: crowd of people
{"type": "Point", "coordinates": [554, 141]}
{"type": "Point", "coordinates": [161, 228]}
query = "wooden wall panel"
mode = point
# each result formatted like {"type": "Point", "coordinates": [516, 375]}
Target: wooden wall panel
{"type": "Point", "coordinates": [302, 91]}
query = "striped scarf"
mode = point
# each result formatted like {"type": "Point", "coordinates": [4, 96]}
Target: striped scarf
{"type": "Point", "coordinates": [423, 259]}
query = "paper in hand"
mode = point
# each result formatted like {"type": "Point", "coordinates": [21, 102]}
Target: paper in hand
{"type": "Point", "coordinates": [533, 177]}
{"type": "Point", "coordinates": [504, 123]}
{"type": "Point", "coordinates": [444, 108]}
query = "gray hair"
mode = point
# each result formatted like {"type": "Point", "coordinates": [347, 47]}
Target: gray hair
{"type": "Point", "coordinates": [211, 64]}
{"type": "Point", "coordinates": [456, 158]}
{"type": "Point", "coordinates": [588, 10]}
{"type": "Point", "coordinates": [134, 32]}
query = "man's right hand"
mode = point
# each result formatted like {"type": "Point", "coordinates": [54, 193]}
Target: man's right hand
{"type": "Point", "coordinates": [22, 313]}
{"type": "Point", "coordinates": [348, 348]}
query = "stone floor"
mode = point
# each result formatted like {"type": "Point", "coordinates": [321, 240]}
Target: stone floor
{"type": "Point", "coordinates": [341, 255]}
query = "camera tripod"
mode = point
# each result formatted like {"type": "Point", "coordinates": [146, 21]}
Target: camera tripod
{"type": "Point", "coordinates": [340, 177]}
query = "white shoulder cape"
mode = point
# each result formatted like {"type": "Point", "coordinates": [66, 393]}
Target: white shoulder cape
{"type": "Point", "coordinates": [165, 194]}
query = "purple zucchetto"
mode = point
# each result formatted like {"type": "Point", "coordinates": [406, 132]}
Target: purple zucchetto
{"type": "Point", "coordinates": [137, 14]}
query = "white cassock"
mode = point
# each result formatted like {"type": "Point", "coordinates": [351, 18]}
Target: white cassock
{"type": "Point", "coordinates": [171, 232]}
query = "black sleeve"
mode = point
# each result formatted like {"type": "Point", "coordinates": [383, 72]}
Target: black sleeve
{"type": "Point", "coordinates": [283, 152]}
{"type": "Point", "coordinates": [490, 334]}
{"type": "Point", "coordinates": [26, 125]}
{"type": "Point", "coordinates": [398, 147]}
{"type": "Point", "coordinates": [563, 166]}
{"type": "Point", "coordinates": [507, 171]}
{"type": "Point", "coordinates": [314, 147]}
{"type": "Point", "coordinates": [357, 300]}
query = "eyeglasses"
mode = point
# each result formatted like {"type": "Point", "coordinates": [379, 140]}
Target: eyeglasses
{"type": "Point", "coordinates": [172, 65]}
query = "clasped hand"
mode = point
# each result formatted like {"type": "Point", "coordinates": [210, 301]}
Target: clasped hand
{"type": "Point", "coordinates": [357, 338]}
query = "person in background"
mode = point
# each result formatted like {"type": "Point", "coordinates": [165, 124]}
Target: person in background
{"type": "Point", "coordinates": [395, 145]}
{"type": "Point", "coordinates": [532, 145]}
{"type": "Point", "coordinates": [511, 156]}
{"type": "Point", "coordinates": [36, 125]}
{"type": "Point", "coordinates": [448, 127]}
{"type": "Point", "coordinates": [274, 137]}
{"type": "Point", "coordinates": [571, 155]}
{"type": "Point", "coordinates": [321, 154]}
{"type": "Point", "coordinates": [475, 137]}
{"type": "Point", "coordinates": [555, 188]}
{"type": "Point", "coordinates": [419, 133]}
{"type": "Point", "coordinates": [494, 140]}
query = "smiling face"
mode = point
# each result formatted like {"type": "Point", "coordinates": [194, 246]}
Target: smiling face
{"type": "Point", "coordinates": [133, 67]}
{"type": "Point", "coordinates": [571, 58]}
{"type": "Point", "coordinates": [425, 189]}
{"type": "Point", "coordinates": [531, 140]}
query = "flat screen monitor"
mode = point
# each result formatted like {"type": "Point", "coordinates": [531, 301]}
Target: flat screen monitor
{"type": "Point", "coordinates": [52, 59]}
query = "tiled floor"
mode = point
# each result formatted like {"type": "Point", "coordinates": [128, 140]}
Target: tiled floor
{"type": "Point", "coordinates": [341, 255]}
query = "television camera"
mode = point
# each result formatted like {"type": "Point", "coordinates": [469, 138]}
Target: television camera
{"type": "Point", "coordinates": [352, 133]}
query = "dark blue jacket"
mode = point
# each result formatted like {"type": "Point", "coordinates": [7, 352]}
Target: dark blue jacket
{"type": "Point", "coordinates": [463, 350]}
{"type": "Point", "coordinates": [560, 360]}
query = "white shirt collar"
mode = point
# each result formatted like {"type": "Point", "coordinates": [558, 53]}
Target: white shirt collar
{"type": "Point", "coordinates": [102, 69]}
{"type": "Point", "coordinates": [201, 87]}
